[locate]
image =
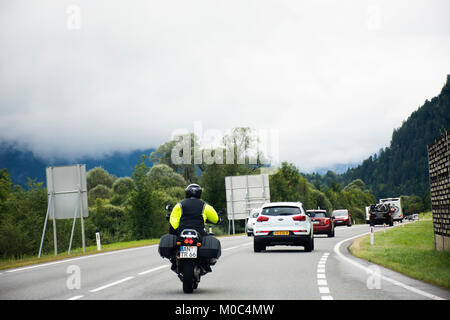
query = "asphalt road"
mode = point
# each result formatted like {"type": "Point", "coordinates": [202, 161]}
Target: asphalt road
{"type": "Point", "coordinates": [280, 273]}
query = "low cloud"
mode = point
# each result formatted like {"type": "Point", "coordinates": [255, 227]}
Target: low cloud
{"type": "Point", "coordinates": [334, 82]}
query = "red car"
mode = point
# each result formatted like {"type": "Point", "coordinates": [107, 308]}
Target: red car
{"type": "Point", "coordinates": [322, 222]}
{"type": "Point", "coordinates": [342, 217]}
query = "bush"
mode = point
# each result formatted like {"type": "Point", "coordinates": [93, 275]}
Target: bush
{"type": "Point", "coordinates": [123, 186]}
{"type": "Point", "coordinates": [97, 176]}
{"type": "Point", "coordinates": [98, 192]}
{"type": "Point", "coordinates": [165, 177]}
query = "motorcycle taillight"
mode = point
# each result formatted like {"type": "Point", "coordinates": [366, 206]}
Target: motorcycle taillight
{"type": "Point", "coordinates": [188, 241]}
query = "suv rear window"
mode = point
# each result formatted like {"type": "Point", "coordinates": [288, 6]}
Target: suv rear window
{"type": "Point", "coordinates": [318, 214]}
{"type": "Point", "coordinates": [281, 211]}
{"type": "Point", "coordinates": [340, 213]}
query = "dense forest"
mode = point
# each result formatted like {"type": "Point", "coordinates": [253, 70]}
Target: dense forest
{"type": "Point", "coordinates": [402, 168]}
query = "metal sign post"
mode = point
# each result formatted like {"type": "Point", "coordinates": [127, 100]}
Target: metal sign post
{"type": "Point", "coordinates": [244, 193]}
{"type": "Point", "coordinates": [67, 199]}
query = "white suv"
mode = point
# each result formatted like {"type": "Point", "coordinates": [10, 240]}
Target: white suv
{"type": "Point", "coordinates": [254, 213]}
{"type": "Point", "coordinates": [283, 223]}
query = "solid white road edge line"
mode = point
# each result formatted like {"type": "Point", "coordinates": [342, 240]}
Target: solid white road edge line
{"type": "Point", "coordinates": [75, 298]}
{"type": "Point", "coordinates": [111, 284]}
{"type": "Point", "coordinates": [367, 270]}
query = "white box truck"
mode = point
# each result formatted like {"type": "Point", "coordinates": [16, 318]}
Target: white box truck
{"type": "Point", "coordinates": [368, 215]}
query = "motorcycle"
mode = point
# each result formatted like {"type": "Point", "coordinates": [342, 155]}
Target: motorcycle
{"type": "Point", "coordinates": [191, 254]}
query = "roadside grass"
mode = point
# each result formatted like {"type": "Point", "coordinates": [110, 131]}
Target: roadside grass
{"type": "Point", "coordinates": [10, 263]}
{"type": "Point", "coordinates": [409, 250]}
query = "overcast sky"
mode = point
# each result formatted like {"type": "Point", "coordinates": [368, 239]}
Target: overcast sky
{"type": "Point", "coordinates": [333, 78]}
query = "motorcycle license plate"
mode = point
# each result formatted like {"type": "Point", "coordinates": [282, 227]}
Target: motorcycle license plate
{"type": "Point", "coordinates": [281, 233]}
{"type": "Point", "coordinates": [188, 252]}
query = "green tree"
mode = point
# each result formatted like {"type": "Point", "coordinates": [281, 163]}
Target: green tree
{"type": "Point", "coordinates": [123, 185]}
{"type": "Point", "coordinates": [100, 191]}
{"type": "Point", "coordinates": [161, 175]}
{"type": "Point", "coordinates": [141, 209]}
{"type": "Point", "coordinates": [97, 176]}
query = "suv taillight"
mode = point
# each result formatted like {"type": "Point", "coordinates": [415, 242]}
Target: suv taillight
{"type": "Point", "coordinates": [262, 218]}
{"type": "Point", "coordinates": [299, 218]}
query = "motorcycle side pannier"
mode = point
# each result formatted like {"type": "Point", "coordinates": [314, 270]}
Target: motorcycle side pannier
{"type": "Point", "coordinates": [210, 248]}
{"type": "Point", "coordinates": [167, 245]}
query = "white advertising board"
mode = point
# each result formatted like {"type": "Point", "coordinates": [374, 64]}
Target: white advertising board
{"type": "Point", "coordinates": [63, 184]}
{"type": "Point", "coordinates": [245, 193]}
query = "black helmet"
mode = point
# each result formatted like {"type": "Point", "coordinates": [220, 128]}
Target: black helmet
{"type": "Point", "coordinates": [193, 190]}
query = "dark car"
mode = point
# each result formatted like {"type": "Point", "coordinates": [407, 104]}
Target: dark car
{"type": "Point", "coordinates": [322, 222]}
{"type": "Point", "coordinates": [342, 217]}
{"type": "Point", "coordinates": [381, 213]}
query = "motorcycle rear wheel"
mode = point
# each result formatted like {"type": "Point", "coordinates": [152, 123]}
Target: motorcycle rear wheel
{"type": "Point", "coordinates": [188, 276]}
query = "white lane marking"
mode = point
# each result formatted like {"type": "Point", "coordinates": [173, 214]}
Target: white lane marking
{"type": "Point", "coordinates": [111, 284]}
{"type": "Point", "coordinates": [100, 255]}
{"type": "Point", "coordinates": [395, 282]}
{"type": "Point", "coordinates": [80, 258]}
{"type": "Point", "coordinates": [154, 269]}
{"type": "Point", "coordinates": [75, 298]}
{"type": "Point", "coordinates": [322, 282]}
{"type": "Point", "coordinates": [235, 247]}
{"type": "Point", "coordinates": [324, 290]}
{"type": "Point", "coordinates": [321, 278]}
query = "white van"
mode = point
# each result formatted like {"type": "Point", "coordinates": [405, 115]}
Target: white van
{"type": "Point", "coordinates": [395, 202]}
{"type": "Point", "coordinates": [368, 215]}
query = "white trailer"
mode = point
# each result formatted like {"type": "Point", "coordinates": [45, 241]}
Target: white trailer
{"type": "Point", "coordinates": [367, 215]}
{"type": "Point", "coordinates": [396, 203]}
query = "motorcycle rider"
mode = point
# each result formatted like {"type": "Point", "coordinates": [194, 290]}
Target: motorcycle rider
{"type": "Point", "coordinates": [192, 213]}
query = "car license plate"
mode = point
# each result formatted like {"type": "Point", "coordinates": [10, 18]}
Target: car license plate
{"type": "Point", "coordinates": [281, 233]}
{"type": "Point", "coordinates": [316, 222]}
{"type": "Point", "coordinates": [188, 252]}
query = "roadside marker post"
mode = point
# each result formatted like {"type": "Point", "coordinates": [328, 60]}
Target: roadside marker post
{"type": "Point", "coordinates": [384, 227]}
{"type": "Point", "coordinates": [97, 238]}
{"type": "Point", "coordinates": [371, 235]}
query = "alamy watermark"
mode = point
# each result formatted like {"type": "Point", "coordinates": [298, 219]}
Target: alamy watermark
{"type": "Point", "coordinates": [236, 146]}
{"type": "Point", "coordinates": [374, 279]}
{"type": "Point", "coordinates": [73, 21]}
{"type": "Point", "coordinates": [74, 279]}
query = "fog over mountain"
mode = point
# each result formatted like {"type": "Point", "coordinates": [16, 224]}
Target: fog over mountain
{"type": "Point", "coordinates": [332, 78]}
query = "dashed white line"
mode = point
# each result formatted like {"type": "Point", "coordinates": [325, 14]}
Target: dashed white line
{"type": "Point", "coordinates": [154, 269]}
{"type": "Point", "coordinates": [322, 282]}
{"type": "Point", "coordinates": [76, 297]}
{"type": "Point", "coordinates": [111, 284]}
{"type": "Point", "coordinates": [321, 278]}
{"type": "Point", "coordinates": [324, 290]}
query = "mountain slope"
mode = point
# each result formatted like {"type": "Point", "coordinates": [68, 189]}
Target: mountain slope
{"type": "Point", "coordinates": [402, 168]}
{"type": "Point", "coordinates": [23, 164]}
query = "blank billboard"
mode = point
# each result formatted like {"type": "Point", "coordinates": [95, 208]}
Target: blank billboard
{"type": "Point", "coordinates": [245, 193]}
{"type": "Point", "coordinates": [63, 184]}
